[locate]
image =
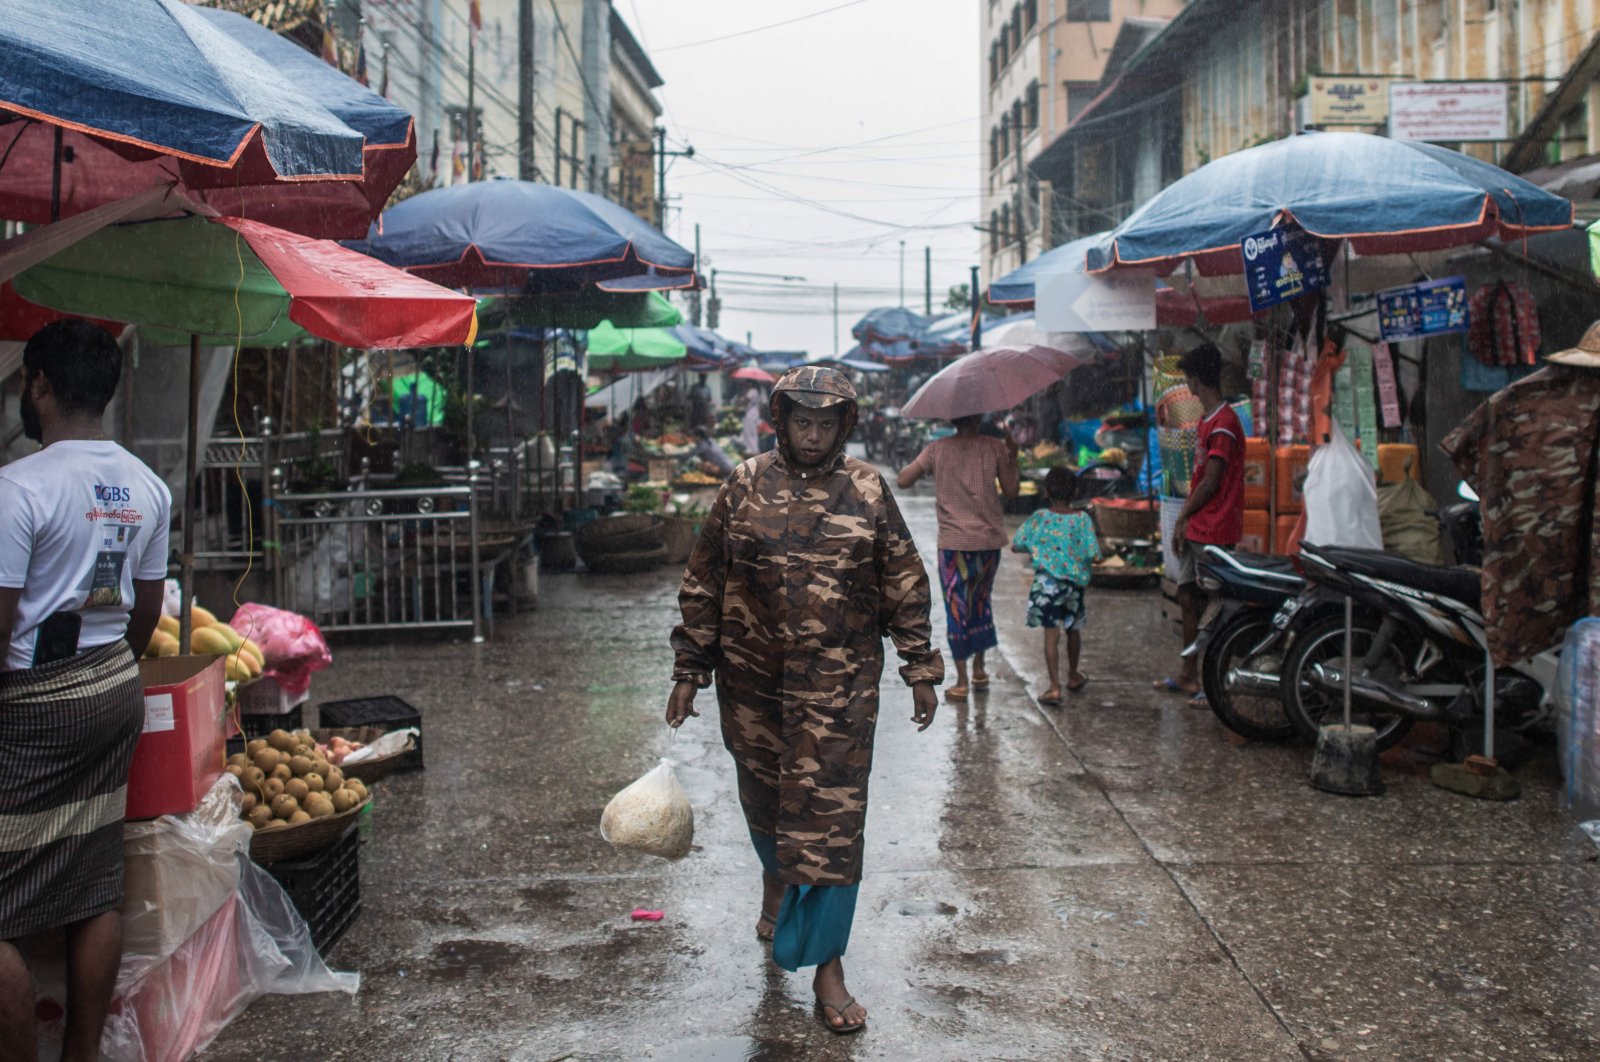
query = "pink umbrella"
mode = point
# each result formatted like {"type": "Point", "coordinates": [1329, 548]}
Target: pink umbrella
{"type": "Point", "coordinates": [754, 375]}
{"type": "Point", "coordinates": [989, 380]}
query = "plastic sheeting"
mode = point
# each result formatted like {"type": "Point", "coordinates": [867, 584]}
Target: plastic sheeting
{"type": "Point", "coordinates": [171, 1003]}
{"type": "Point", "coordinates": [1385, 196]}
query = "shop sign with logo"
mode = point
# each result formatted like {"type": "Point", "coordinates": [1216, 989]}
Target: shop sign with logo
{"type": "Point", "coordinates": [1348, 101]}
{"type": "Point", "coordinates": [1416, 311]}
{"type": "Point", "coordinates": [1282, 264]}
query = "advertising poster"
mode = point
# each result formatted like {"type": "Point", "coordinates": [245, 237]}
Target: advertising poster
{"type": "Point", "coordinates": [1282, 264]}
{"type": "Point", "coordinates": [1416, 311]}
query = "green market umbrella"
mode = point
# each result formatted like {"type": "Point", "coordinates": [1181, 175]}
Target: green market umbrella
{"type": "Point", "coordinates": [613, 349]}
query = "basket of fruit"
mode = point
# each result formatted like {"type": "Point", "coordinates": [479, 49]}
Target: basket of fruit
{"type": "Point", "coordinates": [339, 742]}
{"type": "Point", "coordinates": [297, 801]}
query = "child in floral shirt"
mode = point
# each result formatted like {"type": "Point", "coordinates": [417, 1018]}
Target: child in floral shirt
{"type": "Point", "coordinates": [1063, 544]}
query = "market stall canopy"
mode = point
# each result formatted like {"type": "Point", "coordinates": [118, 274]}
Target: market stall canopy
{"type": "Point", "coordinates": [1174, 309]}
{"type": "Point", "coordinates": [228, 280]}
{"type": "Point", "coordinates": [340, 209]}
{"type": "Point", "coordinates": [704, 347]}
{"type": "Point", "coordinates": [853, 364]}
{"type": "Point", "coordinates": [613, 349]}
{"type": "Point", "coordinates": [1384, 196]}
{"type": "Point", "coordinates": [988, 381]}
{"type": "Point", "coordinates": [890, 324]}
{"type": "Point", "coordinates": [950, 336]}
{"type": "Point", "coordinates": [147, 92]}
{"type": "Point", "coordinates": [755, 375]}
{"type": "Point", "coordinates": [578, 310]}
{"type": "Point", "coordinates": [521, 236]}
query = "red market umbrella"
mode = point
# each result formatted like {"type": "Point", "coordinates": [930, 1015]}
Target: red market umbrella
{"type": "Point", "coordinates": [754, 375]}
{"type": "Point", "coordinates": [988, 381]}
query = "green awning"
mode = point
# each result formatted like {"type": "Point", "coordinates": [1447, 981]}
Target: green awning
{"type": "Point", "coordinates": [613, 349]}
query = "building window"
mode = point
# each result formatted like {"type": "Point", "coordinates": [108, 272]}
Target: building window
{"type": "Point", "coordinates": [1079, 95]}
{"type": "Point", "coordinates": [1005, 225]}
{"type": "Point", "coordinates": [994, 231]}
{"type": "Point", "coordinates": [1016, 28]}
{"type": "Point", "coordinates": [1005, 135]}
{"type": "Point", "coordinates": [1088, 10]}
{"type": "Point", "coordinates": [1030, 15]}
{"type": "Point", "coordinates": [994, 63]}
{"type": "Point", "coordinates": [1004, 46]}
{"type": "Point", "coordinates": [1030, 106]}
{"type": "Point", "coordinates": [994, 149]}
{"type": "Point", "coordinates": [1018, 123]}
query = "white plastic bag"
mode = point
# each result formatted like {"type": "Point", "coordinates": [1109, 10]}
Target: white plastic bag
{"type": "Point", "coordinates": [1341, 497]}
{"type": "Point", "coordinates": [652, 816]}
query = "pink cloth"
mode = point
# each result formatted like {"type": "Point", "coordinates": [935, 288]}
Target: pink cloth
{"type": "Point", "coordinates": [964, 471]}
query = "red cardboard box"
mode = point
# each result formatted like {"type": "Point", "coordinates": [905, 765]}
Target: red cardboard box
{"type": "Point", "coordinates": [184, 745]}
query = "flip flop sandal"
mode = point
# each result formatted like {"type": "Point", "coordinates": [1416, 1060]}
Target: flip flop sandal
{"type": "Point", "coordinates": [1170, 685]}
{"type": "Point", "coordinates": [956, 693]}
{"type": "Point", "coordinates": [1053, 702]}
{"type": "Point", "coordinates": [1074, 689]}
{"type": "Point", "coordinates": [839, 1009]}
{"type": "Point", "coordinates": [980, 683]}
{"type": "Point", "coordinates": [1199, 701]}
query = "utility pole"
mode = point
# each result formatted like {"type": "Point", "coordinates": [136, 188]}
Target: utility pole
{"type": "Point", "coordinates": [556, 140]}
{"type": "Point", "coordinates": [573, 158]}
{"type": "Point", "coordinates": [902, 274]}
{"type": "Point", "coordinates": [976, 307]}
{"type": "Point", "coordinates": [694, 296]}
{"type": "Point", "coordinates": [927, 280]}
{"type": "Point", "coordinates": [472, 87]}
{"type": "Point", "coordinates": [661, 173]}
{"type": "Point", "coordinates": [525, 140]}
{"type": "Point", "coordinates": [836, 318]}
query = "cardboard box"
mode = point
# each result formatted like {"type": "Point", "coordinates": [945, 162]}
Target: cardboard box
{"type": "Point", "coordinates": [265, 696]}
{"type": "Point", "coordinates": [184, 745]}
{"type": "Point", "coordinates": [177, 873]}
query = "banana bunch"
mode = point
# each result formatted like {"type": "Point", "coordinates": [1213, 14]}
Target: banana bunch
{"type": "Point", "coordinates": [209, 637]}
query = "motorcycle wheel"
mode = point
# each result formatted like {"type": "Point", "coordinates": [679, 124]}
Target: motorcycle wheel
{"type": "Point", "coordinates": [1310, 707]}
{"type": "Point", "coordinates": [1251, 715]}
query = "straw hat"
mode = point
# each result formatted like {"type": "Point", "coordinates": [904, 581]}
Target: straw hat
{"type": "Point", "coordinates": [1586, 355]}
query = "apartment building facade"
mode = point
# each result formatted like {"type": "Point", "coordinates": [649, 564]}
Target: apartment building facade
{"type": "Point", "coordinates": [1042, 63]}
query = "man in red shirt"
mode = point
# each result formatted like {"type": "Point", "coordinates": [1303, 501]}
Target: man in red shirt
{"type": "Point", "coordinates": [1213, 514]}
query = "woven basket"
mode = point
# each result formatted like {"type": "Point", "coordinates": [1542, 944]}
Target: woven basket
{"type": "Point", "coordinates": [368, 771]}
{"type": "Point", "coordinates": [296, 842]}
{"type": "Point", "coordinates": [1141, 520]}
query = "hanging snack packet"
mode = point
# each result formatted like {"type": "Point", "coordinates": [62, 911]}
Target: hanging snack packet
{"type": "Point", "coordinates": [652, 816]}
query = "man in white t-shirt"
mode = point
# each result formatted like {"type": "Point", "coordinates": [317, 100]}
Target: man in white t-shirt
{"type": "Point", "coordinates": [83, 558]}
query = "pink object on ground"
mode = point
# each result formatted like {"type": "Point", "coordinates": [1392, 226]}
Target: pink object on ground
{"type": "Point", "coordinates": [292, 645]}
{"type": "Point", "coordinates": [641, 915]}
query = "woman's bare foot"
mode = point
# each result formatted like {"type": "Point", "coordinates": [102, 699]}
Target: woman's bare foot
{"type": "Point", "coordinates": [955, 693]}
{"type": "Point", "coordinates": [1077, 681]}
{"type": "Point", "coordinates": [1051, 696]}
{"type": "Point", "coordinates": [771, 901]}
{"type": "Point", "coordinates": [828, 984]}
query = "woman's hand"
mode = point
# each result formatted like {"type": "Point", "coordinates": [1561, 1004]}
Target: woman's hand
{"type": "Point", "coordinates": [680, 703]}
{"type": "Point", "coordinates": [924, 702]}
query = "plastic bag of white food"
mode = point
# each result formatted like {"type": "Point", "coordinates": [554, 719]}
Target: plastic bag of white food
{"type": "Point", "coordinates": [652, 816]}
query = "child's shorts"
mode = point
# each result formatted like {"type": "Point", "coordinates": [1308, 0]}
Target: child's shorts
{"type": "Point", "coordinates": [1055, 603]}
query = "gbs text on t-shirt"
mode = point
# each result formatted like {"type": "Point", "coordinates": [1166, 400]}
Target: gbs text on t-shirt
{"type": "Point", "coordinates": [79, 522]}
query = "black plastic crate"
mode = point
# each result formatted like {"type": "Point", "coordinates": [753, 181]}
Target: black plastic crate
{"type": "Point", "coordinates": [387, 712]}
{"type": "Point", "coordinates": [255, 726]}
{"type": "Point", "coordinates": [326, 888]}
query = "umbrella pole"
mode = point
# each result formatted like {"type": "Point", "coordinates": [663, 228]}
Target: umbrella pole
{"type": "Point", "coordinates": [55, 181]}
{"type": "Point", "coordinates": [191, 460]}
{"type": "Point", "coordinates": [472, 361]}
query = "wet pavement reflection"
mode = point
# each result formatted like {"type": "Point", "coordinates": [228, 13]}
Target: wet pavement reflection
{"type": "Point", "coordinates": [1116, 878]}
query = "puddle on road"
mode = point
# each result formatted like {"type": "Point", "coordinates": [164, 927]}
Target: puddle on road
{"type": "Point", "coordinates": [928, 909]}
{"type": "Point", "coordinates": [730, 1049]}
{"type": "Point", "coordinates": [465, 960]}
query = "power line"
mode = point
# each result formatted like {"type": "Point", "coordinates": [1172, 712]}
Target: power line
{"type": "Point", "coordinates": [760, 29]}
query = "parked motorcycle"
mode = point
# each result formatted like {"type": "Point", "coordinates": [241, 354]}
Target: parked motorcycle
{"type": "Point", "coordinates": [1418, 648]}
{"type": "Point", "coordinates": [1242, 638]}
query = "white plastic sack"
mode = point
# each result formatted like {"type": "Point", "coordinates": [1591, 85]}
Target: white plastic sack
{"type": "Point", "coordinates": [1341, 497]}
{"type": "Point", "coordinates": [652, 816]}
{"type": "Point", "coordinates": [1578, 718]}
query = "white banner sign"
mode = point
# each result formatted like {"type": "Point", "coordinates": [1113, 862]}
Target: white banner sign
{"type": "Point", "coordinates": [1448, 111]}
{"type": "Point", "coordinates": [1106, 302]}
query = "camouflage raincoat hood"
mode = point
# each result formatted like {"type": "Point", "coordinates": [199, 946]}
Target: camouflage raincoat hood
{"type": "Point", "coordinates": [817, 388]}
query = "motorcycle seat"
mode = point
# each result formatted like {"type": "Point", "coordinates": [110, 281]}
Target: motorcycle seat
{"type": "Point", "coordinates": [1458, 584]}
{"type": "Point", "coordinates": [1264, 561]}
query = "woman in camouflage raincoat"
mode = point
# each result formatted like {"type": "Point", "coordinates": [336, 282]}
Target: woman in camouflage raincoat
{"type": "Point", "coordinates": [804, 564]}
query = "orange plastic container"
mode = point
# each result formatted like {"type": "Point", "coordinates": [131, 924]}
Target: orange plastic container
{"type": "Point", "coordinates": [1257, 534]}
{"type": "Point", "coordinates": [1285, 541]}
{"type": "Point", "coordinates": [1257, 473]}
{"type": "Point", "coordinates": [1290, 474]}
{"type": "Point", "coordinates": [1394, 459]}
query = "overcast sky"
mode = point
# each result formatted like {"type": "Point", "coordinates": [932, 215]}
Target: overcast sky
{"type": "Point", "coordinates": [819, 146]}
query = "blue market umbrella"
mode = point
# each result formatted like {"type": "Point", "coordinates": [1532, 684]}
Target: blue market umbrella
{"type": "Point", "coordinates": [890, 324]}
{"type": "Point", "coordinates": [100, 101]}
{"type": "Point", "coordinates": [1384, 196]}
{"type": "Point", "coordinates": [517, 235]}
{"type": "Point", "coordinates": [704, 346]}
{"type": "Point", "coordinates": [1174, 309]}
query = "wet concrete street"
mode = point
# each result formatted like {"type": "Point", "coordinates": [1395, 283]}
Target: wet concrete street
{"type": "Point", "coordinates": [1112, 879]}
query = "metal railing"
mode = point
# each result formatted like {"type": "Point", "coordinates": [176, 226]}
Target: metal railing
{"type": "Point", "coordinates": [380, 560]}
